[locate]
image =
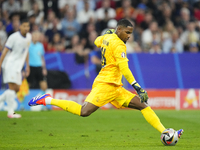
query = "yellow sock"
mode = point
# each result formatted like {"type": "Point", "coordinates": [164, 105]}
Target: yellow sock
{"type": "Point", "coordinates": [67, 105]}
{"type": "Point", "coordinates": [152, 119]}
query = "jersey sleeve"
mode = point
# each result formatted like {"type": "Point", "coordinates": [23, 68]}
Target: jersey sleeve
{"type": "Point", "coordinates": [98, 41]}
{"type": "Point", "coordinates": [124, 68]}
{"type": "Point", "coordinates": [10, 42]}
{"type": "Point", "coordinates": [120, 54]}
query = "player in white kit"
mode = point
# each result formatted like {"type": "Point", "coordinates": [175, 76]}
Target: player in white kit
{"type": "Point", "coordinates": [12, 60]}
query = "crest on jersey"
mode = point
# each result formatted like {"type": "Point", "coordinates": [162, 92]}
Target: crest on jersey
{"type": "Point", "coordinates": [123, 55]}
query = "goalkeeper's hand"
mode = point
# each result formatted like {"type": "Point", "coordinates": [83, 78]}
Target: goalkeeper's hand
{"type": "Point", "coordinates": [110, 31]}
{"type": "Point", "coordinates": [141, 92]}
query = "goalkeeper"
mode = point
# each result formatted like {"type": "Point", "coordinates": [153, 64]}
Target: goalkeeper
{"type": "Point", "coordinates": [107, 87]}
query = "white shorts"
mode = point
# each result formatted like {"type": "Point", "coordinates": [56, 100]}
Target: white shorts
{"type": "Point", "coordinates": [12, 76]}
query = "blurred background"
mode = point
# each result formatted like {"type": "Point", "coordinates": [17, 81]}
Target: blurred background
{"type": "Point", "coordinates": [163, 50]}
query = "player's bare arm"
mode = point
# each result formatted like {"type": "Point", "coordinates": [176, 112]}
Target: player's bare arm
{"type": "Point", "coordinates": [5, 51]}
{"type": "Point", "coordinates": [44, 70]}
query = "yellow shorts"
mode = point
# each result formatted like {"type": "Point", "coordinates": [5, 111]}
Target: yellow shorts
{"type": "Point", "coordinates": [103, 93]}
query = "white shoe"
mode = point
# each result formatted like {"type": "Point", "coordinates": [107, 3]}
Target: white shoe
{"type": "Point", "coordinates": [14, 116]}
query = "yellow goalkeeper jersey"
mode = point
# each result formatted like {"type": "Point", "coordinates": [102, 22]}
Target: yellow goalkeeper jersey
{"type": "Point", "coordinates": [113, 51]}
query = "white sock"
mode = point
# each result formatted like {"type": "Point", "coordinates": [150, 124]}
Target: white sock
{"type": "Point", "coordinates": [48, 100]}
{"type": "Point", "coordinates": [10, 100]}
{"type": "Point", "coordinates": [3, 96]}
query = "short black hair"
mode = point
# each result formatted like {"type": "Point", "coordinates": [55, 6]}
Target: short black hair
{"type": "Point", "coordinates": [124, 23]}
{"type": "Point", "coordinates": [25, 20]}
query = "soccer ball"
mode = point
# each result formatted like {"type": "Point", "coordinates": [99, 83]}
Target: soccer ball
{"type": "Point", "coordinates": [169, 137]}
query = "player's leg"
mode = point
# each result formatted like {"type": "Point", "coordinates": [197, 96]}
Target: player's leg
{"type": "Point", "coordinates": [10, 99]}
{"type": "Point", "coordinates": [88, 108]}
{"type": "Point", "coordinates": [31, 78]}
{"type": "Point", "coordinates": [128, 99]}
{"type": "Point", "coordinates": [3, 96]}
{"type": "Point", "coordinates": [82, 110]}
{"type": "Point", "coordinates": [67, 105]}
{"type": "Point", "coordinates": [13, 86]}
{"type": "Point", "coordinates": [97, 98]}
{"type": "Point", "coordinates": [14, 80]}
{"type": "Point", "coordinates": [41, 79]}
{"type": "Point", "coordinates": [43, 85]}
{"type": "Point", "coordinates": [147, 112]}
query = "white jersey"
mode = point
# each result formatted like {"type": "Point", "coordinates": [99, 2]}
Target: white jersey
{"type": "Point", "coordinates": [19, 46]}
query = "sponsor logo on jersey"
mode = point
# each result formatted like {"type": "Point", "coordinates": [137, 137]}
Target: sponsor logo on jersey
{"type": "Point", "coordinates": [123, 55]}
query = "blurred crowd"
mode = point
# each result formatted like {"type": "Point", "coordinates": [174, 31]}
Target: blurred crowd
{"type": "Point", "coordinates": [71, 26]}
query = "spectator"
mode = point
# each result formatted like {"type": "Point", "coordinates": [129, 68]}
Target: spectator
{"type": "Point", "coordinates": [147, 20]}
{"type": "Point", "coordinates": [196, 10]}
{"type": "Point", "coordinates": [10, 6]}
{"type": "Point", "coordinates": [193, 48]}
{"type": "Point", "coordinates": [189, 36]}
{"type": "Point", "coordinates": [137, 32]}
{"type": "Point", "coordinates": [132, 46]}
{"type": "Point", "coordinates": [50, 18]}
{"type": "Point", "coordinates": [167, 30]}
{"type": "Point", "coordinates": [3, 36]}
{"type": "Point", "coordinates": [31, 17]}
{"type": "Point", "coordinates": [184, 19]}
{"type": "Point", "coordinates": [153, 8]}
{"type": "Point", "coordinates": [14, 18]}
{"type": "Point", "coordinates": [81, 54]}
{"type": "Point", "coordinates": [44, 42]}
{"type": "Point", "coordinates": [112, 4]}
{"type": "Point", "coordinates": [39, 14]}
{"type": "Point", "coordinates": [38, 71]}
{"type": "Point", "coordinates": [125, 10]}
{"type": "Point", "coordinates": [149, 35]}
{"type": "Point", "coordinates": [95, 57]}
{"type": "Point", "coordinates": [86, 14]}
{"type": "Point", "coordinates": [80, 5]}
{"type": "Point", "coordinates": [54, 27]}
{"type": "Point", "coordinates": [2, 19]}
{"type": "Point", "coordinates": [50, 22]}
{"type": "Point", "coordinates": [165, 16]}
{"type": "Point", "coordinates": [57, 43]}
{"type": "Point", "coordinates": [104, 14]}
{"type": "Point", "coordinates": [27, 5]}
{"type": "Point", "coordinates": [84, 34]}
{"type": "Point", "coordinates": [36, 27]}
{"type": "Point", "coordinates": [51, 5]}
{"type": "Point", "coordinates": [155, 48]}
{"type": "Point", "coordinates": [127, 14]}
{"type": "Point", "coordinates": [139, 13]}
{"type": "Point", "coordinates": [111, 25]}
{"type": "Point", "coordinates": [70, 26]}
{"type": "Point", "coordinates": [90, 46]}
{"type": "Point", "coordinates": [62, 3]}
{"type": "Point", "coordinates": [173, 43]}
{"type": "Point", "coordinates": [15, 26]}
{"type": "Point", "coordinates": [74, 44]}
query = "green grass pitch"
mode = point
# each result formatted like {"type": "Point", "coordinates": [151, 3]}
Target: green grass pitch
{"type": "Point", "coordinates": [103, 130]}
